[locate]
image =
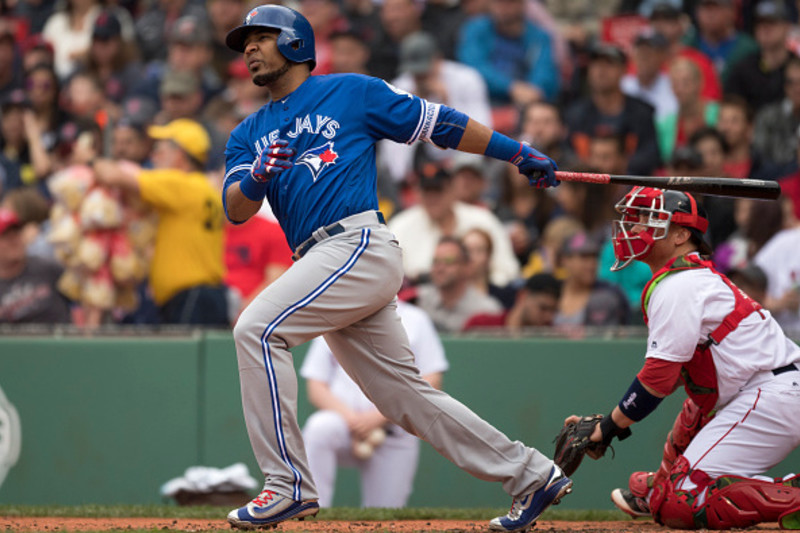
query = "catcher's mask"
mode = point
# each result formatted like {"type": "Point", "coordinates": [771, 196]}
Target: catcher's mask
{"type": "Point", "coordinates": [654, 210]}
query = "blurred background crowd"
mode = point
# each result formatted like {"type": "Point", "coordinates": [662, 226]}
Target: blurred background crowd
{"type": "Point", "coordinates": [109, 108]}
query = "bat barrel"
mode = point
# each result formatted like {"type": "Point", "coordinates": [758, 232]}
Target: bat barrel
{"type": "Point", "coordinates": [742, 188]}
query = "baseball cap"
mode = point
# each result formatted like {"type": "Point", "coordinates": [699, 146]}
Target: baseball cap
{"type": "Point", "coordinates": [648, 36]}
{"type": "Point", "coordinates": [417, 52]}
{"type": "Point", "coordinates": [8, 220]}
{"type": "Point", "coordinates": [178, 83]}
{"type": "Point", "coordinates": [771, 11]}
{"type": "Point", "coordinates": [190, 29]}
{"type": "Point", "coordinates": [106, 26]}
{"type": "Point", "coordinates": [608, 51]}
{"type": "Point", "coordinates": [464, 160]}
{"type": "Point", "coordinates": [686, 156]}
{"type": "Point", "coordinates": [581, 243]}
{"type": "Point", "coordinates": [752, 274]}
{"type": "Point", "coordinates": [186, 133]}
{"type": "Point", "coordinates": [433, 176]}
{"type": "Point", "coordinates": [139, 111]}
{"type": "Point", "coordinates": [665, 11]}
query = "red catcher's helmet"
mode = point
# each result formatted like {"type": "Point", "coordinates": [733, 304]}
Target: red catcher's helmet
{"type": "Point", "coordinates": [655, 209]}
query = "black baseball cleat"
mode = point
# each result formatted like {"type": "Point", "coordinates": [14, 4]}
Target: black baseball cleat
{"type": "Point", "coordinates": [630, 504]}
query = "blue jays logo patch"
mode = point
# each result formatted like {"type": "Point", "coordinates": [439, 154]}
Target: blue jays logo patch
{"type": "Point", "coordinates": [318, 159]}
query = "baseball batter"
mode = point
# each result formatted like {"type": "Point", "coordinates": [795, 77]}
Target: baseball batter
{"type": "Point", "coordinates": [739, 369]}
{"type": "Point", "coordinates": [347, 417]}
{"type": "Point", "coordinates": [311, 153]}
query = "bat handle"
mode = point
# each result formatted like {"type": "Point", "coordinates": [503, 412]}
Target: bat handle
{"type": "Point", "coordinates": [585, 177]}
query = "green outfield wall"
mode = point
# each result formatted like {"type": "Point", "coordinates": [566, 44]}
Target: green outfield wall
{"type": "Point", "coordinates": [110, 419]}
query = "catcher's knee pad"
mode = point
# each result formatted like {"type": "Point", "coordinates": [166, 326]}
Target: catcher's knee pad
{"type": "Point", "coordinates": [687, 424]}
{"type": "Point", "coordinates": [730, 501]}
{"type": "Point", "coordinates": [640, 483]}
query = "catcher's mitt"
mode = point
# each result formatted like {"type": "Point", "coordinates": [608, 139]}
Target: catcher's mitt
{"type": "Point", "coordinates": [572, 443]}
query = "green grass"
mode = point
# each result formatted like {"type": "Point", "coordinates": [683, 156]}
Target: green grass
{"type": "Point", "coordinates": [336, 513]}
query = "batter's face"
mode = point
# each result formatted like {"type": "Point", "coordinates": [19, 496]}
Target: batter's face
{"type": "Point", "coordinates": [264, 61]}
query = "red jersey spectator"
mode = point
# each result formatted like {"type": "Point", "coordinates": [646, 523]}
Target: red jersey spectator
{"type": "Point", "coordinates": [253, 263]}
{"type": "Point", "coordinates": [670, 22]}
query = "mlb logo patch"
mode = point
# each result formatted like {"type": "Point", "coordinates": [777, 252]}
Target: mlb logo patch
{"type": "Point", "coordinates": [250, 16]}
{"type": "Point", "coordinates": [318, 159]}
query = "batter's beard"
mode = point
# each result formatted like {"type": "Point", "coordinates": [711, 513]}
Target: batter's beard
{"type": "Point", "coordinates": [272, 76]}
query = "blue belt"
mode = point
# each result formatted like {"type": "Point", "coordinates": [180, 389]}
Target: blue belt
{"type": "Point", "coordinates": [333, 229]}
{"type": "Point", "coordinates": [791, 367]}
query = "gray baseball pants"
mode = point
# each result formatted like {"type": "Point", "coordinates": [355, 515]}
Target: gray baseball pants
{"type": "Point", "coordinates": [344, 288]}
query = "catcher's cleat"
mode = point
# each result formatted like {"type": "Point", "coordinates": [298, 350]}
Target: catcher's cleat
{"type": "Point", "coordinates": [630, 504]}
{"type": "Point", "coordinates": [268, 509]}
{"type": "Point", "coordinates": [525, 510]}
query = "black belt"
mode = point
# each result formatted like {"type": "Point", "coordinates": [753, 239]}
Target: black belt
{"type": "Point", "coordinates": [791, 367]}
{"type": "Point", "coordinates": [331, 230]}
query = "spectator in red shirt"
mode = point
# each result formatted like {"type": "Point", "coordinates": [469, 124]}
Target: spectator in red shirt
{"type": "Point", "coordinates": [256, 254]}
{"type": "Point", "coordinates": [670, 22]}
{"type": "Point", "coordinates": [536, 305]}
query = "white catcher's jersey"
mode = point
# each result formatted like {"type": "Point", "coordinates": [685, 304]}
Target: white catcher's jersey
{"type": "Point", "coordinates": [685, 307]}
{"type": "Point", "coordinates": [321, 365]}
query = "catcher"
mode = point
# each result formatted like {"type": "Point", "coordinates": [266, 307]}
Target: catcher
{"type": "Point", "coordinates": [740, 371]}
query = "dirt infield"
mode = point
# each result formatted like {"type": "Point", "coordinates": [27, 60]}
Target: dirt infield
{"type": "Point", "coordinates": [11, 524]}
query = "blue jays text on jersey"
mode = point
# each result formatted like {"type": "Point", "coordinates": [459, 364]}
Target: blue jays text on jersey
{"type": "Point", "coordinates": [333, 123]}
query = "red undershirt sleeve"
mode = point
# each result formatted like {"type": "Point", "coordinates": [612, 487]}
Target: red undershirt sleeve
{"type": "Point", "coordinates": [660, 375]}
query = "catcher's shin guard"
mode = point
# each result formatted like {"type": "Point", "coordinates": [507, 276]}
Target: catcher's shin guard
{"type": "Point", "coordinates": [687, 424]}
{"type": "Point", "coordinates": [730, 502]}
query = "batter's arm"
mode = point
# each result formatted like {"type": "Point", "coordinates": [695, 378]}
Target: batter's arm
{"type": "Point", "coordinates": [239, 207]}
{"type": "Point", "coordinates": [476, 138]}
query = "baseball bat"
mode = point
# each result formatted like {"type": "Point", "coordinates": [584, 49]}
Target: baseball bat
{"type": "Point", "coordinates": [741, 188]}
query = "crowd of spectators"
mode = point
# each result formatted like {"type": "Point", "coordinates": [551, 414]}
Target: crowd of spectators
{"type": "Point", "coordinates": [649, 87]}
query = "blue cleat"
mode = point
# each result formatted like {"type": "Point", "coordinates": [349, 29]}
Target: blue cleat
{"type": "Point", "coordinates": [525, 510]}
{"type": "Point", "coordinates": [269, 509]}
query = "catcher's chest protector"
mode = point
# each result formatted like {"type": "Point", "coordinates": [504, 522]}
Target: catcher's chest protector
{"type": "Point", "coordinates": [699, 374]}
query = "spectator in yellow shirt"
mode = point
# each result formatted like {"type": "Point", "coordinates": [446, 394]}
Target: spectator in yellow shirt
{"type": "Point", "coordinates": [186, 270]}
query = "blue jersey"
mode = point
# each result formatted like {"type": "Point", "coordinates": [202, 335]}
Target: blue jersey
{"type": "Point", "coordinates": [333, 123]}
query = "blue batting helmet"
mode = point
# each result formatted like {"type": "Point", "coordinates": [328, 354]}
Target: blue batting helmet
{"type": "Point", "coordinates": [296, 39]}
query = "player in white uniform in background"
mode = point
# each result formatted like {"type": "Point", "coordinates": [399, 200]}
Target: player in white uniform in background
{"type": "Point", "coordinates": [740, 370]}
{"type": "Point", "coordinates": [346, 418]}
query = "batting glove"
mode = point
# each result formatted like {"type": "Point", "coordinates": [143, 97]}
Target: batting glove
{"type": "Point", "coordinates": [272, 161]}
{"type": "Point", "coordinates": [540, 169]}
